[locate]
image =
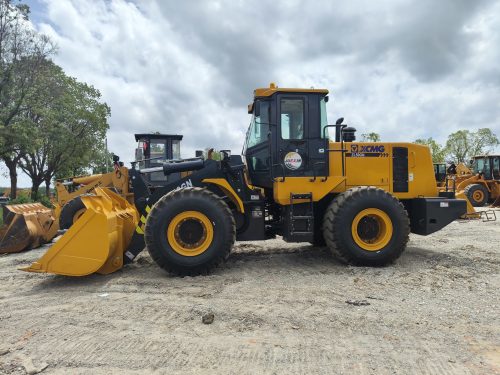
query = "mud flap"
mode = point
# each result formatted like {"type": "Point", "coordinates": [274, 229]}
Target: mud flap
{"type": "Point", "coordinates": [96, 242]}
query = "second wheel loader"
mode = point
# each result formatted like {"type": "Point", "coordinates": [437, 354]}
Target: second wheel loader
{"type": "Point", "coordinates": [28, 226]}
{"type": "Point", "coordinates": [359, 199]}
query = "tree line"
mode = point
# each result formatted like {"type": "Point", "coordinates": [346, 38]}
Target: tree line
{"type": "Point", "coordinates": [460, 147]}
{"type": "Point", "coordinates": [51, 125]}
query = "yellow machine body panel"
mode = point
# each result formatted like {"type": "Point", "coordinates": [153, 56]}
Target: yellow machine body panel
{"type": "Point", "coordinates": [372, 164]}
{"type": "Point", "coordinates": [318, 187]}
{"type": "Point", "coordinates": [117, 179]}
{"type": "Point", "coordinates": [228, 190]}
{"type": "Point", "coordinates": [365, 164]}
{"type": "Point", "coordinates": [96, 242]}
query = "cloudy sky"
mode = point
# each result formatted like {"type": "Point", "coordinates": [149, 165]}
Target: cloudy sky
{"type": "Point", "coordinates": [405, 69]}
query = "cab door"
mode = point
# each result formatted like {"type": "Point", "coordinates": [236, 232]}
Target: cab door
{"type": "Point", "coordinates": [496, 167]}
{"type": "Point", "coordinates": [293, 132]}
{"type": "Point", "coordinates": [258, 145]}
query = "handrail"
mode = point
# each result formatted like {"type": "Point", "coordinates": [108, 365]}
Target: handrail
{"type": "Point", "coordinates": [314, 172]}
{"type": "Point", "coordinates": [272, 172]}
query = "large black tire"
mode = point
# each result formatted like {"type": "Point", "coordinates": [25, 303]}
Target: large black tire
{"type": "Point", "coordinates": [318, 238]}
{"type": "Point", "coordinates": [339, 228]}
{"type": "Point", "coordinates": [70, 212]}
{"type": "Point", "coordinates": [167, 210]}
{"type": "Point", "coordinates": [477, 194]}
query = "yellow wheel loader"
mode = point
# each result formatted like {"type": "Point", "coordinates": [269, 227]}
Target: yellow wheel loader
{"type": "Point", "coordinates": [359, 199]}
{"type": "Point", "coordinates": [484, 185]}
{"type": "Point", "coordinates": [28, 226]}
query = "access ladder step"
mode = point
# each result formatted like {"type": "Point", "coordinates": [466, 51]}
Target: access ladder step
{"type": "Point", "coordinates": [301, 196]}
{"type": "Point", "coordinates": [302, 217]}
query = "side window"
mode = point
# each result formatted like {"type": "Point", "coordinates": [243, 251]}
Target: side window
{"type": "Point", "coordinates": [176, 149]}
{"type": "Point", "coordinates": [323, 118]}
{"type": "Point", "coordinates": [157, 156]}
{"type": "Point", "coordinates": [259, 127]}
{"type": "Point", "coordinates": [479, 165]}
{"type": "Point", "coordinates": [157, 151]}
{"type": "Point", "coordinates": [292, 118]}
{"type": "Point", "coordinates": [496, 167]}
{"type": "Point", "coordinates": [487, 169]}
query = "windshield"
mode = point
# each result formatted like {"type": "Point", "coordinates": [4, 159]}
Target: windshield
{"type": "Point", "coordinates": [482, 165]}
{"type": "Point", "coordinates": [259, 126]}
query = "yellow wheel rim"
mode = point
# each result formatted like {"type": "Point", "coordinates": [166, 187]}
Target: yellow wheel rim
{"type": "Point", "coordinates": [190, 233]}
{"type": "Point", "coordinates": [372, 229]}
{"type": "Point", "coordinates": [78, 214]}
{"type": "Point", "coordinates": [478, 196]}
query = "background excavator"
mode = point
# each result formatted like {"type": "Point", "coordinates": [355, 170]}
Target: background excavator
{"type": "Point", "coordinates": [30, 225]}
{"type": "Point", "coordinates": [359, 199]}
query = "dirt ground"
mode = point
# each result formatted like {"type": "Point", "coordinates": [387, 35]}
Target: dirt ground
{"type": "Point", "coordinates": [278, 308]}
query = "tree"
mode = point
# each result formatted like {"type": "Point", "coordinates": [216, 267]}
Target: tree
{"type": "Point", "coordinates": [22, 51]}
{"type": "Point", "coordinates": [68, 126]}
{"type": "Point", "coordinates": [463, 145]}
{"type": "Point", "coordinates": [370, 137]}
{"type": "Point", "coordinates": [438, 152]}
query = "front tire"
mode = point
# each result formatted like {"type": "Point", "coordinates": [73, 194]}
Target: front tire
{"type": "Point", "coordinates": [366, 226]}
{"type": "Point", "coordinates": [477, 194]}
{"type": "Point", "coordinates": [71, 212]}
{"type": "Point", "coordinates": [190, 231]}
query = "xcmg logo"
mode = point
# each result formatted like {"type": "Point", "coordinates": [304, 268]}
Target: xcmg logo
{"type": "Point", "coordinates": [367, 148]}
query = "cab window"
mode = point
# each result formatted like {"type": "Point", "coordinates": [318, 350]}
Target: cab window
{"type": "Point", "coordinates": [496, 167]}
{"type": "Point", "coordinates": [157, 151]}
{"type": "Point", "coordinates": [323, 118]}
{"type": "Point", "coordinates": [176, 149]}
{"type": "Point", "coordinates": [259, 127]}
{"type": "Point", "coordinates": [292, 118]}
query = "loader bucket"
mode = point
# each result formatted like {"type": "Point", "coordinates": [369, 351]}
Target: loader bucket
{"type": "Point", "coordinates": [496, 203]}
{"type": "Point", "coordinates": [96, 242]}
{"type": "Point", "coordinates": [26, 226]}
{"type": "Point", "coordinates": [471, 211]}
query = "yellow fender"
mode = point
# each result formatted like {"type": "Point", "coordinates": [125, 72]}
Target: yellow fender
{"type": "Point", "coordinates": [96, 242]}
{"type": "Point", "coordinates": [228, 190]}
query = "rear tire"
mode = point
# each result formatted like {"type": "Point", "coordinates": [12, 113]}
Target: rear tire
{"type": "Point", "coordinates": [71, 212]}
{"type": "Point", "coordinates": [366, 226]}
{"type": "Point", "coordinates": [477, 194]}
{"type": "Point", "coordinates": [190, 231]}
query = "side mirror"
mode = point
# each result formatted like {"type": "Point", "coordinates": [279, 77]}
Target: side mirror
{"type": "Point", "coordinates": [327, 98]}
{"type": "Point", "coordinates": [116, 158]}
{"type": "Point", "coordinates": [256, 108]}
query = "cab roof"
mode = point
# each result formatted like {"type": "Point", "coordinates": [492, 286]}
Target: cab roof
{"type": "Point", "coordinates": [273, 88]}
{"type": "Point", "coordinates": [138, 137]}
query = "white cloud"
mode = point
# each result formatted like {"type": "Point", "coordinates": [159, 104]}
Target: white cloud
{"type": "Point", "coordinates": [406, 70]}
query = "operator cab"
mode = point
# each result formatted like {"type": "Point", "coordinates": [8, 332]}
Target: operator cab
{"type": "Point", "coordinates": [288, 134]}
{"type": "Point", "coordinates": [488, 166]}
{"type": "Point", "coordinates": [440, 172]}
{"type": "Point", "coordinates": [153, 150]}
